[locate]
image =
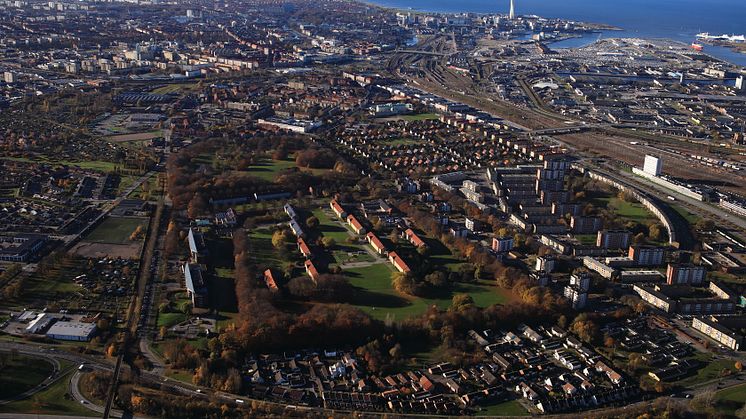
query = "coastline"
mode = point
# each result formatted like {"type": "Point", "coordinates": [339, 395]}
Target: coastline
{"type": "Point", "coordinates": [728, 53]}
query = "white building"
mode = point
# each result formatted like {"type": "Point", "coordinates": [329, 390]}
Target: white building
{"type": "Point", "coordinates": [72, 330]}
{"type": "Point", "coordinates": [652, 165]}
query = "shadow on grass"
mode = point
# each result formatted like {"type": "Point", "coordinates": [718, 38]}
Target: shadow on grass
{"type": "Point", "coordinates": [222, 294]}
{"type": "Point", "coordinates": [363, 297]}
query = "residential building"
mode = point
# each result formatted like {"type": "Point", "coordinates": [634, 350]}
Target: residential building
{"type": "Point", "coordinates": [338, 210]}
{"type": "Point", "coordinates": [311, 270]}
{"type": "Point", "coordinates": [196, 246]}
{"type": "Point", "coordinates": [356, 226]}
{"type": "Point", "coordinates": [646, 255]}
{"type": "Point", "coordinates": [195, 285]}
{"type": "Point", "coordinates": [304, 249]}
{"type": "Point", "coordinates": [376, 243]}
{"type": "Point", "coordinates": [503, 244]}
{"type": "Point", "coordinates": [398, 262]}
{"type": "Point", "coordinates": [20, 247]}
{"type": "Point", "coordinates": [613, 239]}
{"type": "Point", "coordinates": [720, 329]}
{"type": "Point", "coordinates": [585, 225]}
{"type": "Point", "coordinates": [546, 263]}
{"type": "Point", "coordinates": [685, 274]}
{"type": "Point", "coordinates": [413, 238]}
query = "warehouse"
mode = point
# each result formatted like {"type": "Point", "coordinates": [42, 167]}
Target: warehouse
{"type": "Point", "coordinates": [72, 330]}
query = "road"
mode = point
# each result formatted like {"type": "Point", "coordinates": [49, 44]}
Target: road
{"type": "Point", "coordinates": [144, 277]}
{"type": "Point", "coordinates": [56, 373]}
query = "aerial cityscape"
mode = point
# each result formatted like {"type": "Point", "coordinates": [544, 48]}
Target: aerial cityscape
{"type": "Point", "coordinates": [333, 209]}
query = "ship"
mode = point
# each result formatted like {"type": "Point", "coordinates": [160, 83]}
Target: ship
{"type": "Point", "coordinates": [697, 47]}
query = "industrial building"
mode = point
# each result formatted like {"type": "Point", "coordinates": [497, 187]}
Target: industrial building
{"type": "Point", "coordinates": [72, 330]}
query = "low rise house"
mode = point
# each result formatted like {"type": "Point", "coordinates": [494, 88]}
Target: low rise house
{"type": "Point", "coordinates": [398, 262]}
{"type": "Point", "coordinates": [376, 243]}
{"type": "Point", "coordinates": [356, 226]}
{"type": "Point", "coordinates": [413, 238]}
{"type": "Point", "coordinates": [338, 210]}
{"type": "Point", "coordinates": [311, 270]}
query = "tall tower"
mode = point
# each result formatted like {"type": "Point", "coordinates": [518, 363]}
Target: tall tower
{"type": "Point", "coordinates": [512, 10]}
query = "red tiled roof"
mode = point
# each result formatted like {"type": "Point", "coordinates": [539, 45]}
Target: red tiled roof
{"type": "Point", "coordinates": [304, 249]}
{"type": "Point", "coordinates": [311, 270]}
{"type": "Point", "coordinates": [354, 223]}
{"type": "Point", "coordinates": [375, 242]}
{"type": "Point", "coordinates": [269, 279]}
{"type": "Point", "coordinates": [414, 238]}
{"type": "Point", "coordinates": [336, 207]}
{"type": "Point", "coordinates": [398, 262]}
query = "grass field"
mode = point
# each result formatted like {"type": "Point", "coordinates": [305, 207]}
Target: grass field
{"type": "Point", "coordinates": [509, 408]}
{"type": "Point", "coordinates": [421, 117]}
{"type": "Point", "coordinates": [98, 165]}
{"type": "Point", "coordinates": [711, 369]}
{"type": "Point", "coordinates": [170, 319]}
{"type": "Point", "coordinates": [331, 228]}
{"type": "Point", "coordinates": [375, 296]}
{"type": "Point", "coordinates": [688, 216]}
{"type": "Point", "coordinates": [731, 399]}
{"type": "Point", "coordinates": [262, 252]}
{"type": "Point", "coordinates": [21, 374]}
{"type": "Point", "coordinates": [116, 230]}
{"type": "Point", "coordinates": [269, 169]}
{"type": "Point", "coordinates": [54, 400]}
{"type": "Point", "coordinates": [441, 255]}
{"type": "Point", "coordinates": [403, 141]}
{"type": "Point", "coordinates": [175, 88]}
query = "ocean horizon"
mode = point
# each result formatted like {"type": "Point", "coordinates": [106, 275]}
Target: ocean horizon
{"type": "Point", "coordinates": [679, 20]}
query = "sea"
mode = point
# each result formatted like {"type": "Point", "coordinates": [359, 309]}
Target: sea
{"type": "Point", "coordinates": [678, 20]}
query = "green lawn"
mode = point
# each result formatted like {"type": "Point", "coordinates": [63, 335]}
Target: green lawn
{"type": "Point", "coordinates": [587, 238]}
{"type": "Point", "coordinates": [375, 296]}
{"type": "Point", "coordinates": [731, 399]}
{"type": "Point", "coordinates": [21, 374]}
{"type": "Point", "coordinates": [631, 210]}
{"type": "Point", "coordinates": [509, 408]}
{"type": "Point", "coordinates": [331, 228]}
{"type": "Point", "coordinates": [688, 216]}
{"type": "Point", "coordinates": [98, 165]}
{"type": "Point", "coordinates": [269, 169]}
{"type": "Point", "coordinates": [53, 400]}
{"type": "Point", "coordinates": [441, 255]}
{"type": "Point", "coordinates": [711, 369]}
{"type": "Point", "coordinates": [116, 230]}
{"type": "Point", "coordinates": [403, 141]}
{"type": "Point", "coordinates": [170, 319]}
{"type": "Point", "coordinates": [421, 117]}
{"type": "Point", "coordinates": [175, 88]}
{"type": "Point", "coordinates": [262, 252]}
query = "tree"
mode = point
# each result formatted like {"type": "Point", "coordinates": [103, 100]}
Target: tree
{"type": "Point", "coordinates": [328, 242]}
{"type": "Point", "coordinates": [460, 302]}
{"type": "Point", "coordinates": [280, 238]}
{"type": "Point", "coordinates": [704, 225]}
{"type": "Point", "coordinates": [403, 283]}
{"type": "Point", "coordinates": [655, 232]}
{"type": "Point", "coordinates": [312, 222]}
{"type": "Point", "coordinates": [586, 329]}
{"type": "Point", "coordinates": [137, 234]}
{"type": "Point", "coordinates": [562, 321]}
